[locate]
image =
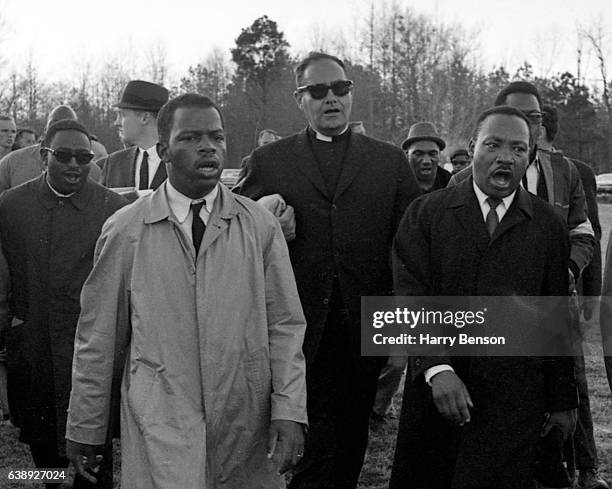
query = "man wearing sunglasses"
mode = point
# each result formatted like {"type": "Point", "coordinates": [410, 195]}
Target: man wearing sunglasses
{"type": "Point", "coordinates": [348, 192]}
{"type": "Point", "coordinates": [48, 229]}
{"type": "Point", "coordinates": [26, 163]}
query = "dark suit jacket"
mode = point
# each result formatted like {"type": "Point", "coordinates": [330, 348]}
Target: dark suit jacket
{"type": "Point", "coordinates": [348, 233]}
{"type": "Point", "coordinates": [591, 275]}
{"type": "Point", "coordinates": [442, 248]}
{"type": "Point", "coordinates": [118, 169]}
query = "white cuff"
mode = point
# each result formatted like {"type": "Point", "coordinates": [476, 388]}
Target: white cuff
{"type": "Point", "coordinates": [430, 372]}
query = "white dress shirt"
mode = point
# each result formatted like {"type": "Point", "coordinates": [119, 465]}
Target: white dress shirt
{"type": "Point", "coordinates": [532, 174]}
{"type": "Point", "coordinates": [501, 210]}
{"type": "Point", "coordinates": [181, 207]}
{"type": "Point", "coordinates": [154, 161]}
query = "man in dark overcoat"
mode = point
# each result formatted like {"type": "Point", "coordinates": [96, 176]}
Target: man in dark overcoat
{"type": "Point", "coordinates": [475, 422]}
{"type": "Point", "coordinates": [48, 229]}
{"type": "Point", "coordinates": [348, 192]}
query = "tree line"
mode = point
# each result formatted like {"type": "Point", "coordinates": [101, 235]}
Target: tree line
{"type": "Point", "coordinates": [406, 67]}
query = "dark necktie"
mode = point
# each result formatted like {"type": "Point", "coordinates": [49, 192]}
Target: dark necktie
{"type": "Point", "coordinates": [144, 172]}
{"type": "Point", "coordinates": [492, 218]}
{"type": "Point", "coordinates": [197, 225]}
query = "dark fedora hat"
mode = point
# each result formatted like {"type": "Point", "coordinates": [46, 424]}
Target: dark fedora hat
{"type": "Point", "coordinates": [143, 95]}
{"type": "Point", "coordinates": [423, 131]}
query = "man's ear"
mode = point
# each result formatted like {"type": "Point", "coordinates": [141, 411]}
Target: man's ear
{"type": "Point", "coordinates": [298, 98]}
{"type": "Point", "coordinates": [162, 151]}
{"type": "Point", "coordinates": [146, 117]}
{"type": "Point", "coordinates": [471, 146]}
{"type": "Point", "coordinates": [43, 156]}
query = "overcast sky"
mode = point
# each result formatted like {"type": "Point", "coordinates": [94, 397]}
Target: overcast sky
{"type": "Point", "coordinates": [61, 35]}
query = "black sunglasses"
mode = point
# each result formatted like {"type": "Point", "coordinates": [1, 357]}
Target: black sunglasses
{"type": "Point", "coordinates": [64, 156]}
{"type": "Point", "coordinates": [318, 91]}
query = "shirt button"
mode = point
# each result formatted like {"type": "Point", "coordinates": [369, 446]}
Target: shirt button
{"type": "Point", "coordinates": [326, 301]}
{"type": "Point", "coordinates": [334, 207]}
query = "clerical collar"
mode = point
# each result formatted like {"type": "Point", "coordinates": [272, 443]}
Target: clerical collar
{"type": "Point", "coordinates": [329, 139]}
{"type": "Point", "coordinates": [65, 196]}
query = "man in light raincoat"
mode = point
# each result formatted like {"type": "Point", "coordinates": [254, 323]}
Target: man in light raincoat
{"type": "Point", "coordinates": [192, 292]}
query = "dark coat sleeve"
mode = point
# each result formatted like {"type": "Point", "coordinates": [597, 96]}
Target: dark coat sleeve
{"type": "Point", "coordinates": [591, 275]}
{"type": "Point", "coordinates": [559, 380]}
{"type": "Point", "coordinates": [581, 235]}
{"type": "Point", "coordinates": [252, 183]}
{"type": "Point", "coordinates": [407, 190]}
{"type": "Point", "coordinates": [412, 274]}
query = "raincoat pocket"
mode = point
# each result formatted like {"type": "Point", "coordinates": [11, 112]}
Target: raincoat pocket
{"type": "Point", "coordinates": [144, 382]}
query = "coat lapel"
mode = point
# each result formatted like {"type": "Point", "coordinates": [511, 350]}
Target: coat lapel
{"type": "Point", "coordinates": [467, 210]}
{"type": "Point", "coordinates": [546, 166]}
{"type": "Point", "coordinates": [129, 167]}
{"type": "Point", "coordinates": [355, 158]}
{"type": "Point", "coordinates": [520, 210]}
{"type": "Point", "coordinates": [160, 175]}
{"type": "Point", "coordinates": [304, 161]}
{"type": "Point", "coordinates": [224, 211]}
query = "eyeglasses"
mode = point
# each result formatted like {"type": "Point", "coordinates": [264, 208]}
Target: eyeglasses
{"type": "Point", "coordinates": [319, 91]}
{"type": "Point", "coordinates": [65, 156]}
{"type": "Point", "coordinates": [534, 117]}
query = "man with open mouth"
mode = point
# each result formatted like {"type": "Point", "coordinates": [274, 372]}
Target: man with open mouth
{"type": "Point", "coordinates": [49, 227]}
{"type": "Point", "coordinates": [423, 147]}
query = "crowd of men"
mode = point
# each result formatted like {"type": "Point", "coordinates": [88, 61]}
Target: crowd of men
{"type": "Point", "coordinates": [217, 332]}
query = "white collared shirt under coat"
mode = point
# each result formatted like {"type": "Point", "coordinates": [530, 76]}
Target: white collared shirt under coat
{"type": "Point", "coordinates": [214, 345]}
{"type": "Point", "coordinates": [181, 207]}
{"type": "Point", "coordinates": [154, 161]}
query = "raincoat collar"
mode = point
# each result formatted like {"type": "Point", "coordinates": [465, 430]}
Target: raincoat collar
{"type": "Point", "coordinates": [159, 209]}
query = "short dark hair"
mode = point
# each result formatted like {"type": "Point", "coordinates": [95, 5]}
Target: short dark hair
{"type": "Point", "coordinates": [501, 110]}
{"type": "Point", "coordinates": [64, 125]}
{"type": "Point", "coordinates": [267, 131]}
{"type": "Point", "coordinates": [25, 130]}
{"type": "Point", "coordinates": [165, 117]}
{"type": "Point", "coordinates": [550, 122]}
{"type": "Point", "coordinates": [517, 87]}
{"type": "Point", "coordinates": [311, 58]}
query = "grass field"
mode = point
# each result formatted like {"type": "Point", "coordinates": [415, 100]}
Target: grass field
{"type": "Point", "coordinates": [377, 468]}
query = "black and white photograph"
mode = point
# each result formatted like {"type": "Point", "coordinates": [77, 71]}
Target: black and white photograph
{"type": "Point", "coordinates": [350, 244]}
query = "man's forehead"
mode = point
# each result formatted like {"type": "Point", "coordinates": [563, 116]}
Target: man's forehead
{"type": "Point", "coordinates": [323, 71]}
{"type": "Point", "coordinates": [197, 119]}
{"type": "Point", "coordinates": [70, 138]}
{"type": "Point", "coordinates": [4, 124]}
{"type": "Point", "coordinates": [503, 126]}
